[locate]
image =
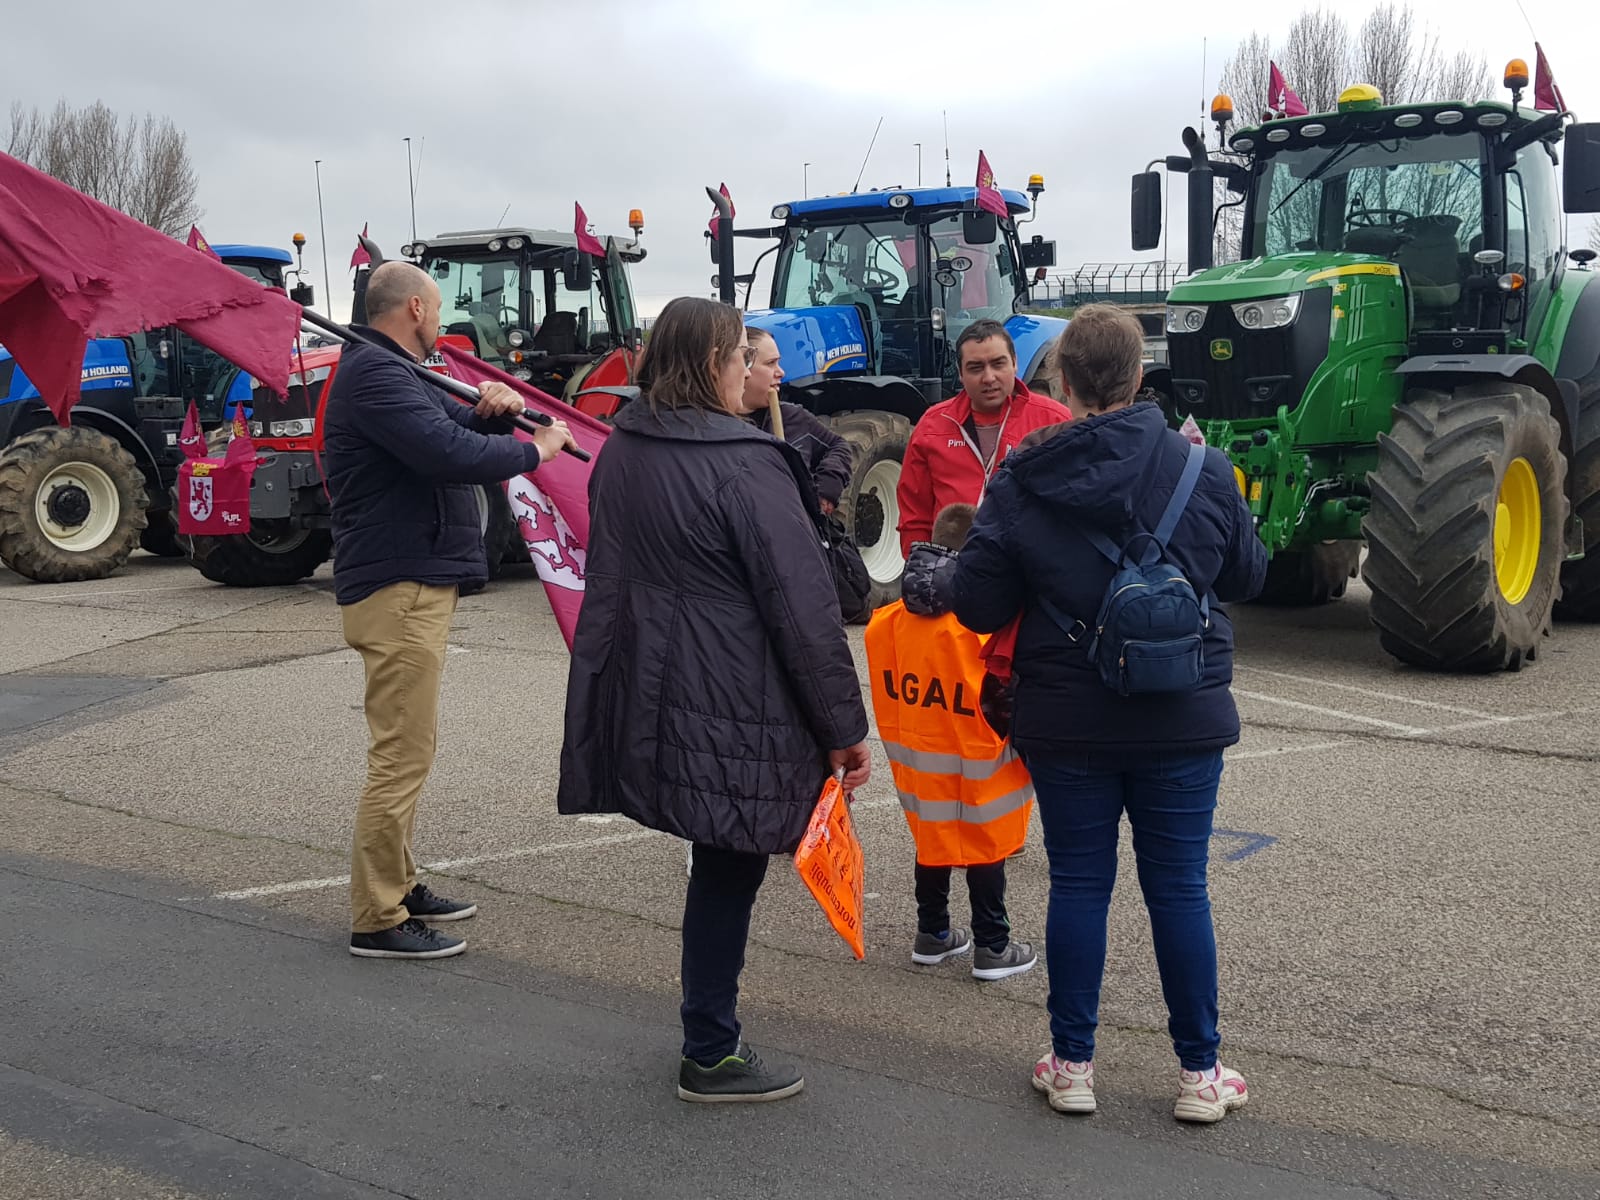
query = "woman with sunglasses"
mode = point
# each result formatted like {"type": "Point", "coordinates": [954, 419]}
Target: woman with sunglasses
{"type": "Point", "coordinates": [710, 693]}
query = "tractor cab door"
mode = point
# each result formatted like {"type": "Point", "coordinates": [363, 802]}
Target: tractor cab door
{"type": "Point", "coordinates": [971, 281]}
{"type": "Point", "coordinates": [624, 315]}
{"type": "Point", "coordinates": [1535, 232]}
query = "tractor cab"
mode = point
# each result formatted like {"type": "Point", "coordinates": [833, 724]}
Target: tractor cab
{"type": "Point", "coordinates": [878, 285]}
{"type": "Point", "coordinates": [531, 304]}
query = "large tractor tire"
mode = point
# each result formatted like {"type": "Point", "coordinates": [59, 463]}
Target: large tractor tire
{"type": "Point", "coordinates": [1318, 575]}
{"type": "Point", "coordinates": [869, 507]}
{"type": "Point", "coordinates": [1465, 536]}
{"type": "Point", "coordinates": [499, 529]}
{"type": "Point", "coordinates": [71, 504]}
{"type": "Point", "coordinates": [1580, 580]}
{"type": "Point", "coordinates": [264, 557]}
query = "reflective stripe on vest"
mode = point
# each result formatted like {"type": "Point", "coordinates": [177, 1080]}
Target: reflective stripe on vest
{"type": "Point", "coordinates": [966, 795]}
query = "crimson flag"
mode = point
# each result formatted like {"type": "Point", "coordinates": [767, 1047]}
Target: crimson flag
{"type": "Point", "coordinates": [1546, 95]}
{"type": "Point", "coordinates": [198, 242]}
{"type": "Point", "coordinates": [550, 505]}
{"type": "Point", "coordinates": [989, 197]}
{"type": "Point", "coordinates": [715, 218]}
{"type": "Point", "coordinates": [72, 268]}
{"type": "Point", "coordinates": [587, 242]}
{"type": "Point", "coordinates": [191, 440]}
{"type": "Point", "coordinates": [361, 258]}
{"type": "Point", "coordinates": [1280, 96]}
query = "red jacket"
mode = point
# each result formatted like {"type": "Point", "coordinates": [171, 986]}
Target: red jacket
{"type": "Point", "coordinates": [943, 465]}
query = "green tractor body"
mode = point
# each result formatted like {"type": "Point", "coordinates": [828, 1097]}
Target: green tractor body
{"type": "Point", "coordinates": [1405, 356]}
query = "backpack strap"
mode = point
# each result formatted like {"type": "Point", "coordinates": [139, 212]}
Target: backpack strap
{"type": "Point", "coordinates": [1181, 494]}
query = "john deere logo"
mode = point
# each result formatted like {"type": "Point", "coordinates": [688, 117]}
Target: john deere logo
{"type": "Point", "coordinates": [1222, 349]}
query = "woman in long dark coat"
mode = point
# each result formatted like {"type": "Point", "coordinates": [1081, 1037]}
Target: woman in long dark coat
{"type": "Point", "coordinates": [712, 689]}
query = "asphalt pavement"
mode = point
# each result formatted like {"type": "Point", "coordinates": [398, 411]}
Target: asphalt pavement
{"type": "Point", "coordinates": [1402, 875]}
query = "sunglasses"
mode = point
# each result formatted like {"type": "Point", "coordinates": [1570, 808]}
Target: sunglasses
{"type": "Point", "coordinates": [749, 353]}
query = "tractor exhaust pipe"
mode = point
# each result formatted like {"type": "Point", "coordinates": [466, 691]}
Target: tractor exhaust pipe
{"type": "Point", "coordinates": [1201, 199]}
{"type": "Point", "coordinates": [724, 246]}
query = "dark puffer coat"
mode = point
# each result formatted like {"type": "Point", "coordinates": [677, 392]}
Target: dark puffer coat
{"type": "Point", "coordinates": [710, 672]}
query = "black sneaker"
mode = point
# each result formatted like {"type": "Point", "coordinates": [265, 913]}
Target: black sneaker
{"type": "Point", "coordinates": [739, 1078]}
{"type": "Point", "coordinates": [409, 939]}
{"type": "Point", "coordinates": [425, 906]}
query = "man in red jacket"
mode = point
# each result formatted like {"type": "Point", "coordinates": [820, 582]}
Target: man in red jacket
{"type": "Point", "coordinates": [959, 442]}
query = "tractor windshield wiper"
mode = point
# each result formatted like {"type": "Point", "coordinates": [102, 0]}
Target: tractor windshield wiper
{"type": "Point", "coordinates": [1320, 169]}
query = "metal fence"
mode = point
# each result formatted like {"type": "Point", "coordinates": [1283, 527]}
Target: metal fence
{"type": "Point", "coordinates": [1109, 283]}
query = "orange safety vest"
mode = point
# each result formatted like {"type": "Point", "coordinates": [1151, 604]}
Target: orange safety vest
{"type": "Point", "coordinates": [966, 794]}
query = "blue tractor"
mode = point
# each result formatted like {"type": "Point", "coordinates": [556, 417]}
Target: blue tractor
{"type": "Point", "coordinates": [870, 292]}
{"type": "Point", "coordinates": [76, 501]}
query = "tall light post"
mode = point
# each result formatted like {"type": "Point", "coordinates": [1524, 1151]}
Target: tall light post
{"type": "Point", "coordinates": [412, 182]}
{"type": "Point", "coordinates": [805, 181]}
{"type": "Point", "coordinates": [327, 287]}
{"type": "Point", "coordinates": [919, 162]}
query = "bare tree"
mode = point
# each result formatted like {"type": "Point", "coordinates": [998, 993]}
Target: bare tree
{"type": "Point", "coordinates": [139, 165]}
{"type": "Point", "coordinates": [1315, 58]}
{"type": "Point", "coordinates": [1594, 235]}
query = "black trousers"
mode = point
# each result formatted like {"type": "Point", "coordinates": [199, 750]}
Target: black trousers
{"type": "Point", "coordinates": [716, 925]}
{"type": "Point", "coordinates": [986, 889]}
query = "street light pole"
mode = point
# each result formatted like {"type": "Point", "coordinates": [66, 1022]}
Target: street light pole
{"type": "Point", "coordinates": [327, 287]}
{"type": "Point", "coordinates": [805, 181]}
{"type": "Point", "coordinates": [411, 180]}
{"type": "Point", "coordinates": [919, 163]}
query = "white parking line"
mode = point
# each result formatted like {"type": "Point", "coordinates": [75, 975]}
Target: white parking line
{"type": "Point", "coordinates": [444, 864]}
{"type": "Point", "coordinates": [1362, 691]}
{"type": "Point", "coordinates": [1408, 730]}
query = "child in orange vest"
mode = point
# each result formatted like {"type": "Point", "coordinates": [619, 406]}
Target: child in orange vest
{"type": "Point", "coordinates": [966, 795]}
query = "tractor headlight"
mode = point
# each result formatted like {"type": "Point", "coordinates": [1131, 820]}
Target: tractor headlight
{"type": "Point", "coordinates": [521, 373]}
{"type": "Point", "coordinates": [495, 245]}
{"type": "Point", "coordinates": [1268, 314]}
{"type": "Point", "coordinates": [516, 337]}
{"type": "Point", "coordinates": [780, 212]}
{"type": "Point", "coordinates": [515, 243]}
{"type": "Point", "coordinates": [304, 427]}
{"type": "Point", "coordinates": [1185, 318]}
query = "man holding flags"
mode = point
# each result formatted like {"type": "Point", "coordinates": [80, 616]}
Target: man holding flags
{"type": "Point", "coordinates": [401, 457]}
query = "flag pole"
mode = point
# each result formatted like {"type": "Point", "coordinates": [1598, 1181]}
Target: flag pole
{"type": "Point", "coordinates": [529, 421]}
{"type": "Point", "coordinates": [327, 284]}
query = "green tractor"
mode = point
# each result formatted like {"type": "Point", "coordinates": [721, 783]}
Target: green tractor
{"type": "Point", "coordinates": [1403, 356]}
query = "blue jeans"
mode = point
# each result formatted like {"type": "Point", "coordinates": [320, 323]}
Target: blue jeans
{"type": "Point", "coordinates": [1169, 799]}
{"type": "Point", "coordinates": [716, 926]}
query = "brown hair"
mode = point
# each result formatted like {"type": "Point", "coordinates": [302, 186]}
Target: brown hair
{"type": "Point", "coordinates": [1100, 354]}
{"type": "Point", "coordinates": [674, 371]}
{"type": "Point", "coordinates": [952, 525]}
{"type": "Point", "coordinates": [982, 330]}
{"type": "Point", "coordinates": [752, 332]}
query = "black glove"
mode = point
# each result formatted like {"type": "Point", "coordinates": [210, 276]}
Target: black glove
{"type": "Point", "coordinates": [928, 585]}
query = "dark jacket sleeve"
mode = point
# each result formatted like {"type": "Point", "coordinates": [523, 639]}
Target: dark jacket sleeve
{"type": "Point", "coordinates": [827, 453]}
{"type": "Point", "coordinates": [1244, 558]}
{"type": "Point", "coordinates": [393, 410]}
{"type": "Point", "coordinates": [794, 593]}
{"type": "Point", "coordinates": [466, 416]}
{"type": "Point", "coordinates": [989, 584]}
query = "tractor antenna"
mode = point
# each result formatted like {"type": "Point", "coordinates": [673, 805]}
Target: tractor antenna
{"type": "Point", "coordinates": [503, 213]}
{"type": "Point", "coordinates": [1203, 111]}
{"type": "Point", "coordinates": [1526, 21]}
{"type": "Point", "coordinates": [946, 115]}
{"type": "Point", "coordinates": [870, 145]}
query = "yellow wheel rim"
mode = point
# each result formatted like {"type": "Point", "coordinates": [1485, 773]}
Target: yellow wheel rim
{"type": "Point", "coordinates": [1516, 531]}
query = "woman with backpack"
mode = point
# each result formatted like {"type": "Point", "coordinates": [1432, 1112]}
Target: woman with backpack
{"type": "Point", "coordinates": [1123, 671]}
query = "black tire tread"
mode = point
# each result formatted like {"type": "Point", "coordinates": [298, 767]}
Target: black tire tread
{"type": "Point", "coordinates": [873, 435]}
{"type": "Point", "coordinates": [236, 561]}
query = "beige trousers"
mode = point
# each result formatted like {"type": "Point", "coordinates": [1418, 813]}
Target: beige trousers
{"type": "Point", "coordinates": [400, 631]}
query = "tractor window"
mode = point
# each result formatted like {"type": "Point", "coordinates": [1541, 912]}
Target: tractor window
{"type": "Point", "coordinates": [576, 320]}
{"type": "Point", "coordinates": [1422, 197]}
{"type": "Point", "coordinates": [481, 298]}
{"type": "Point", "coordinates": [263, 271]}
{"type": "Point", "coordinates": [860, 264]}
{"type": "Point", "coordinates": [1533, 216]}
{"type": "Point", "coordinates": [986, 287]}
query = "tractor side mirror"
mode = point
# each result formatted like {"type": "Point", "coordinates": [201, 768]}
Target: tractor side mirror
{"type": "Point", "coordinates": [577, 273]}
{"type": "Point", "coordinates": [304, 295]}
{"type": "Point", "coordinates": [1581, 169]}
{"type": "Point", "coordinates": [979, 228]}
{"type": "Point", "coordinates": [1038, 253]}
{"type": "Point", "coordinates": [1147, 210]}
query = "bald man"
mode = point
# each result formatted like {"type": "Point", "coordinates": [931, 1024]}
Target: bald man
{"type": "Point", "coordinates": [401, 459]}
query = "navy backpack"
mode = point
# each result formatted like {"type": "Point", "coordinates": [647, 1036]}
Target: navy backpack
{"type": "Point", "coordinates": [1147, 636]}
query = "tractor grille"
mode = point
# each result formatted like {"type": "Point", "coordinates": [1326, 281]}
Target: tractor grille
{"type": "Point", "coordinates": [1268, 368]}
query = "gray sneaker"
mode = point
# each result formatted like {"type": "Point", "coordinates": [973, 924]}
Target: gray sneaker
{"type": "Point", "coordinates": [929, 948]}
{"type": "Point", "coordinates": [1016, 958]}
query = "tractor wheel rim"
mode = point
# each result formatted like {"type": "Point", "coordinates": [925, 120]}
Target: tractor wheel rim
{"type": "Point", "coordinates": [877, 496]}
{"type": "Point", "coordinates": [1517, 528]}
{"type": "Point", "coordinates": [77, 507]}
{"type": "Point", "coordinates": [272, 541]}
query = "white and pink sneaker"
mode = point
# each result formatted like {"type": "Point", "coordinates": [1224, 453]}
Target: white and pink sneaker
{"type": "Point", "coordinates": [1207, 1096]}
{"type": "Point", "coordinates": [1069, 1085]}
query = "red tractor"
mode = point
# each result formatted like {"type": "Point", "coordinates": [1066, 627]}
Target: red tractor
{"type": "Point", "coordinates": [525, 301]}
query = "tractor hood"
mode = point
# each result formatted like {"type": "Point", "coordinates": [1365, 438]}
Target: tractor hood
{"type": "Point", "coordinates": [1279, 275]}
{"type": "Point", "coordinates": [816, 341]}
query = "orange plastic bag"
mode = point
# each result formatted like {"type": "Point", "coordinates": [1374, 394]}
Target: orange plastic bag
{"type": "Point", "coordinates": [830, 863]}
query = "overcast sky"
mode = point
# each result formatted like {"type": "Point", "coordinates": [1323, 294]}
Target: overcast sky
{"type": "Point", "coordinates": [522, 108]}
